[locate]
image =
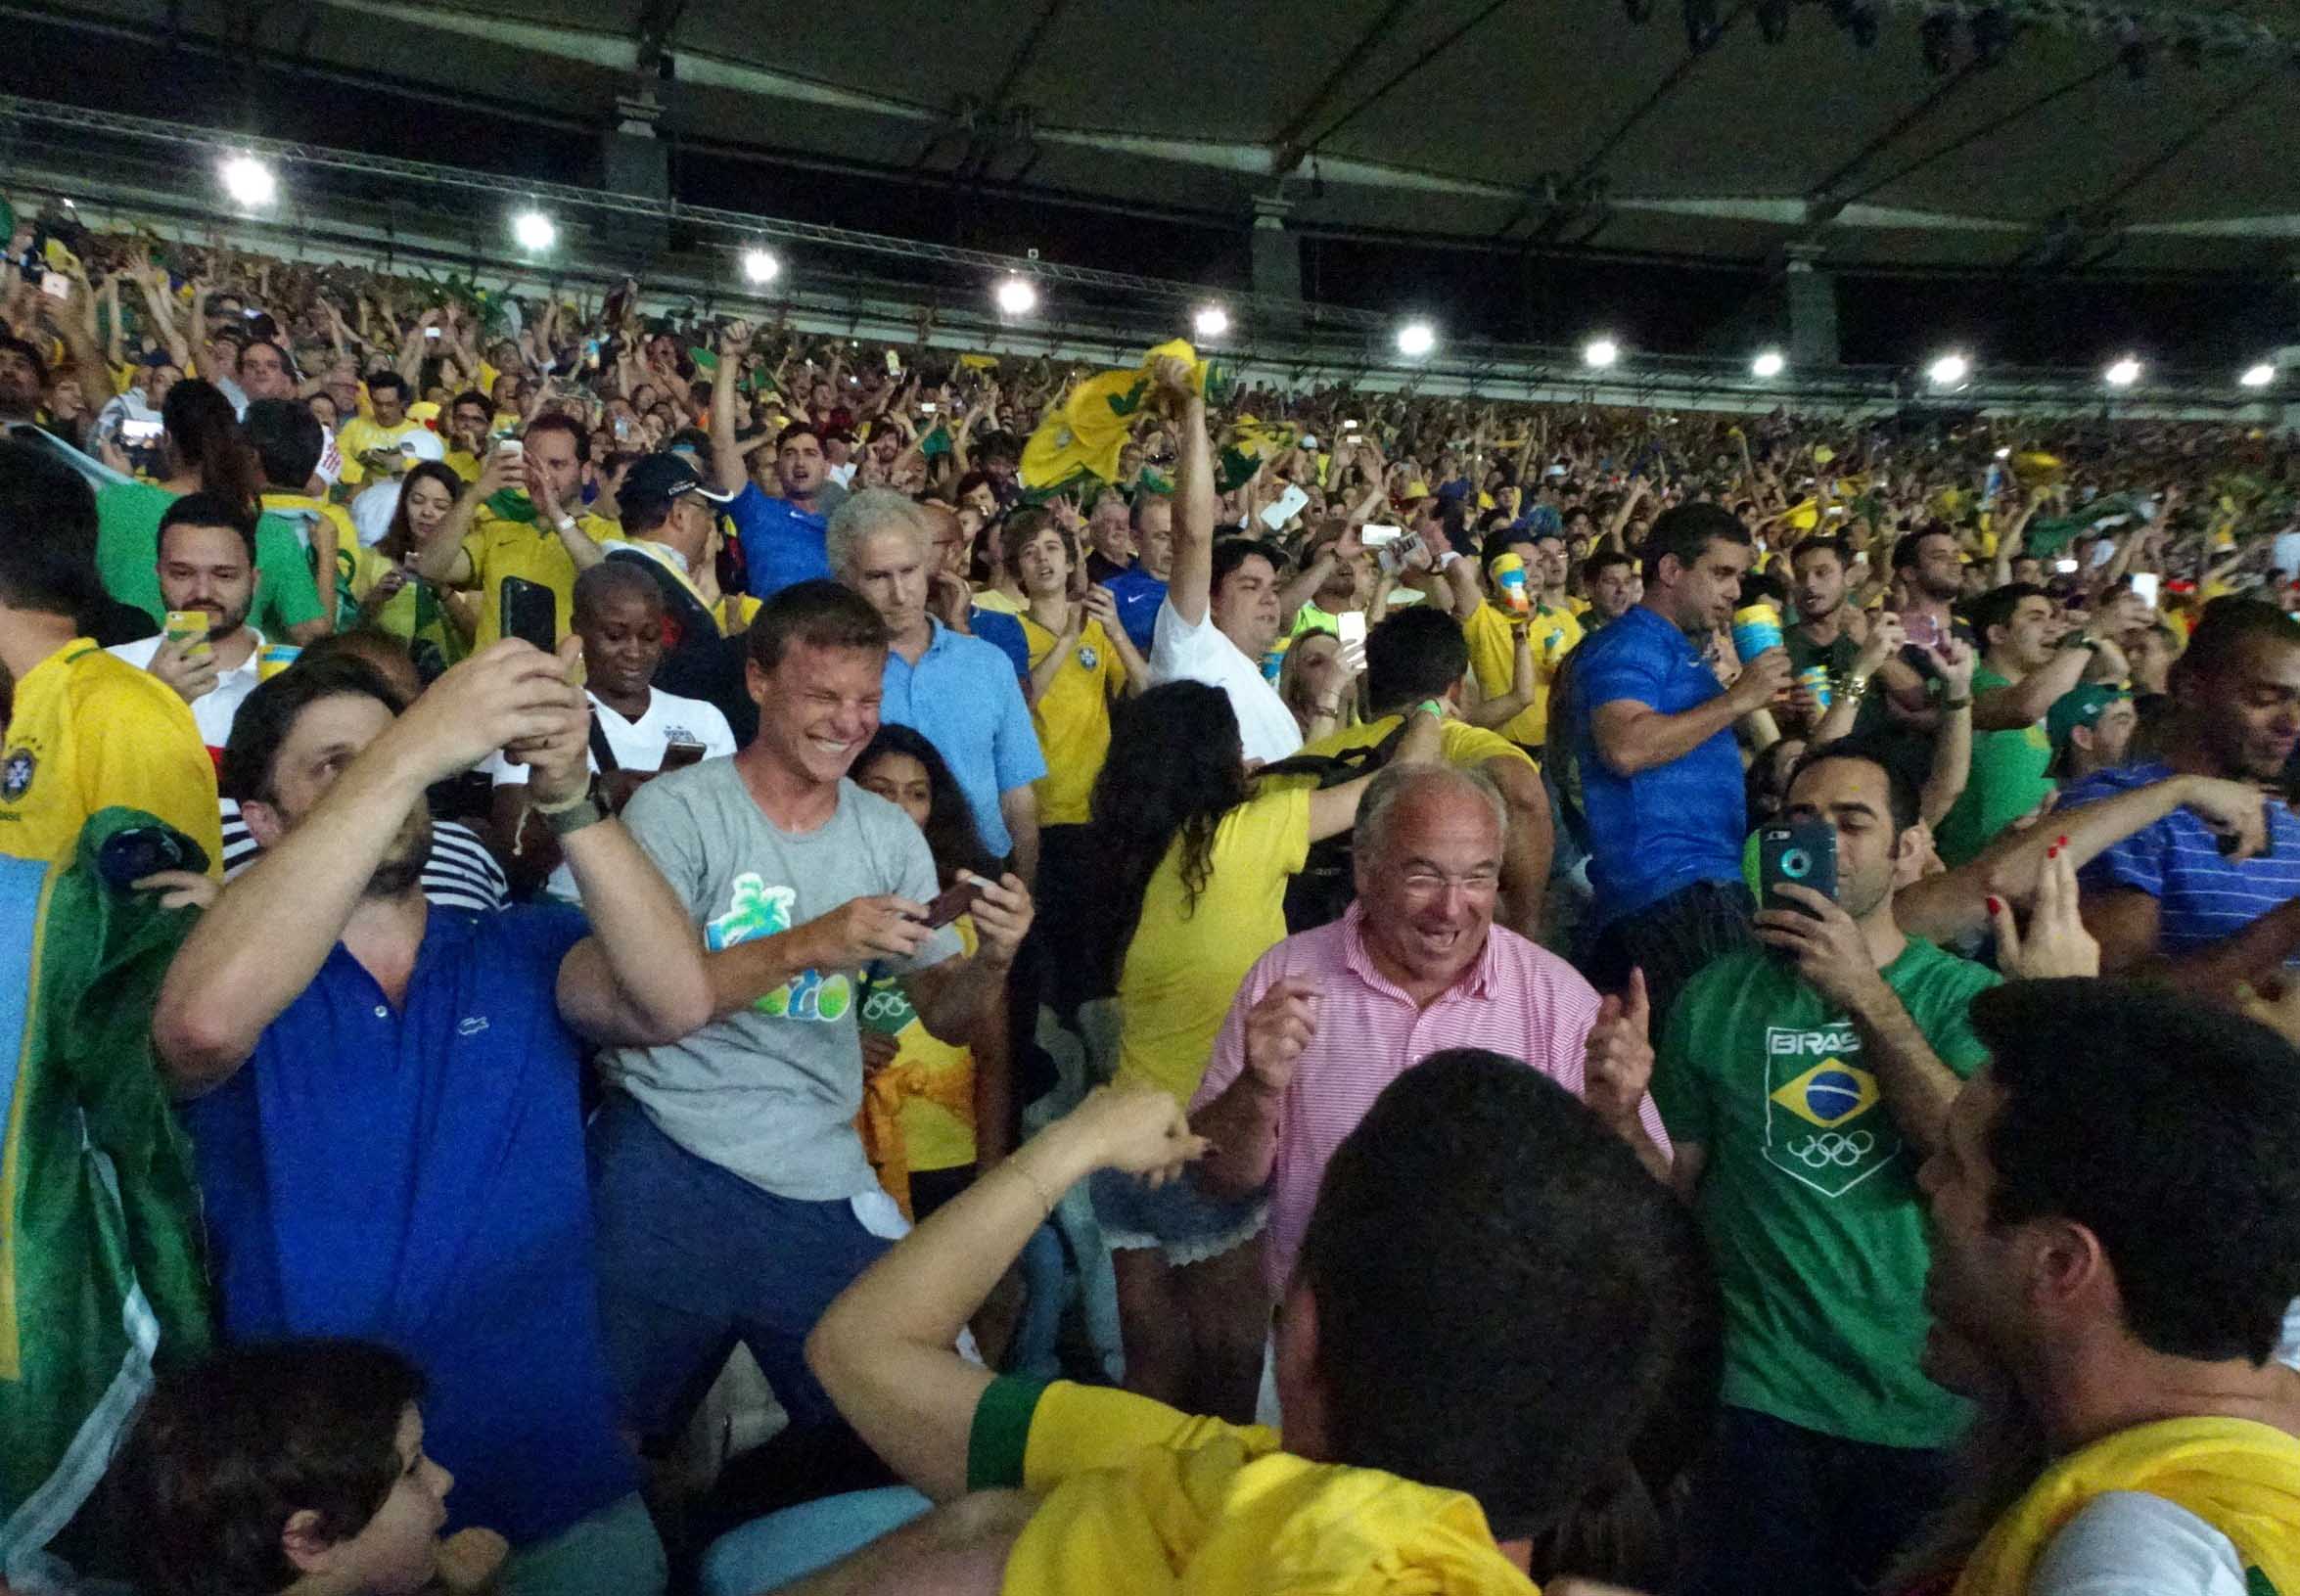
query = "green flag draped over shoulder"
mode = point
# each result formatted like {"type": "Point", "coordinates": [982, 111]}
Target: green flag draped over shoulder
{"type": "Point", "coordinates": [100, 1277]}
{"type": "Point", "coordinates": [510, 504]}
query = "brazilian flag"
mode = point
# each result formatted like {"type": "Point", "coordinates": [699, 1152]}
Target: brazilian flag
{"type": "Point", "coordinates": [100, 1277]}
{"type": "Point", "coordinates": [1082, 438]}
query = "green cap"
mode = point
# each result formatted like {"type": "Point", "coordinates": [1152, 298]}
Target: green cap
{"type": "Point", "coordinates": [2079, 706]}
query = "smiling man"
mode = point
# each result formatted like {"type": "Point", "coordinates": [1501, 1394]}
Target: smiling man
{"type": "Point", "coordinates": [733, 1195]}
{"type": "Point", "coordinates": [2166, 899]}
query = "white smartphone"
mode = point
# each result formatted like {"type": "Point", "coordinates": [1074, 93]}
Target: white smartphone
{"type": "Point", "coordinates": [2066, 567]}
{"type": "Point", "coordinates": [894, 364]}
{"type": "Point", "coordinates": [1289, 505]}
{"type": "Point", "coordinates": [1349, 427]}
{"type": "Point", "coordinates": [1375, 536]}
{"type": "Point", "coordinates": [1350, 626]}
{"type": "Point", "coordinates": [2144, 587]}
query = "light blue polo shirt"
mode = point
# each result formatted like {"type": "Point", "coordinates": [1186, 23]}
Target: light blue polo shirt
{"type": "Point", "coordinates": [963, 698]}
{"type": "Point", "coordinates": [1663, 829]}
{"type": "Point", "coordinates": [414, 1175]}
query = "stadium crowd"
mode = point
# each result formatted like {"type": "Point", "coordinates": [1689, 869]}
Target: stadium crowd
{"type": "Point", "coordinates": [1223, 987]}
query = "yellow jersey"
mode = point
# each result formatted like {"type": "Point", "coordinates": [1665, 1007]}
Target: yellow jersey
{"type": "Point", "coordinates": [464, 464]}
{"type": "Point", "coordinates": [502, 547]}
{"type": "Point", "coordinates": [361, 434]}
{"type": "Point", "coordinates": [1072, 720]}
{"type": "Point", "coordinates": [1493, 661]}
{"type": "Point", "coordinates": [1459, 744]}
{"type": "Point", "coordinates": [89, 731]}
{"type": "Point", "coordinates": [1183, 966]}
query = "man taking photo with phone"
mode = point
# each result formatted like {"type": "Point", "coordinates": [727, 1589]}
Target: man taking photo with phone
{"type": "Point", "coordinates": [1802, 1082]}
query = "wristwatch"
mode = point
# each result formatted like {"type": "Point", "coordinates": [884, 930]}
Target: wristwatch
{"type": "Point", "coordinates": [586, 808]}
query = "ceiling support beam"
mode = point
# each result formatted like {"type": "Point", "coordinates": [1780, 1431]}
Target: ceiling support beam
{"type": "Point", "coordinates": [1286, 146]}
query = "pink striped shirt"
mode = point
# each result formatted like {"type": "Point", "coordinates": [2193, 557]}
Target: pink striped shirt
{"type": "Point", "coordinates": [1517, 999]}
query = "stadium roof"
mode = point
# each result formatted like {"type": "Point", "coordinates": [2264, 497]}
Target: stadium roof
{"type": "Point", "coordinates": [2058, 134]}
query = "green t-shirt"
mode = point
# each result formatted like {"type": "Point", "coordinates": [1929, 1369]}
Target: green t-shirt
{"type": "Point", "coordinates": [2007, 780]}
{"type": "Point", "coordinates": [1809, 1196]}
{"type": "Point", "coordinates": [127, 559]}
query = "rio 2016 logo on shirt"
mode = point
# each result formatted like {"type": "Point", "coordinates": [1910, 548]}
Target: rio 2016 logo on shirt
{"type": "Point", "coordinates": [1824, 1120]}
{"type": "Point", "coordinates": [758, 910]}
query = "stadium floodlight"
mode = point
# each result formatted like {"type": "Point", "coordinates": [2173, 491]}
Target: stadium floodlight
{"type": "Point", "coordinates": [1212, 321]}
{"type": "Point", "coordinates": [1600, 352]}
{"type": "Point", "coordinates": [760, 266]}
{"type": "Point", "coordinates": [249, 181]}
{"type": "Point", "coordinates": [1016, 297]}
{"type": "Point", "coordinates": [1768, 364]}
{"type": "Point", "coordinates": [1950, 370]}
{"type": "Point", "coordinates": [534, 231]}
{"type": "Point", "coordinates": [2123, 373]}
{"type": "Point", "coordinates": [2259, 375]}
{"type": "Point", "coordinates": [1416, 338]}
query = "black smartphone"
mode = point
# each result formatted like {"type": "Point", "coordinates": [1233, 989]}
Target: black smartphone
{"type": "Point", "coordinates": [1804, 854]}
{"type": "Point", "coordinates": [678, 754]}
{"type": "Point", "coordinates": [530, 613]}
{"type": "Point", "coordinates": [952, 903]}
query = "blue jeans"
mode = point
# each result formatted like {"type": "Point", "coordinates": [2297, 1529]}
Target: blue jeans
{"type": "Point", "coordinates": [1777, 1508]}
{"type": "Point", "coordinates": [694, 1258]}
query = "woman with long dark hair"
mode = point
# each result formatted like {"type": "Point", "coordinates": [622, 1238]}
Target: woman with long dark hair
{"type": "Point", "coordinates": [380, 588]}
{"type": "Point", "coordinates": [204, 452]}
{"type": "Point", "coordinates": [1194, 864]}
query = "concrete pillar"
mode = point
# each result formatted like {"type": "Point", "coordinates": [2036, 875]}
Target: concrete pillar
{"type": "Point", "coordinates": [1812, 314]}
{"type": "Point", "coordinates": [1276, 254]}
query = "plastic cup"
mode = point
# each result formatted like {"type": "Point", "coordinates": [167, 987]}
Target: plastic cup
{"type": "Point", "coordinates": [274, 658]}
{"type": "Point", "coordinates": [1510, 576]}
{"type": "Point", "coordinates": [1817, 681]}
{"type": "Point", "coordinates": [1757, 628]}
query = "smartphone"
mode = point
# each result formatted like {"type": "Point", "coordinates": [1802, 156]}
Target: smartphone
{"type": "Point", "coordinates": [952, 903]}
{"type": "Point", "coordinates": [2144, 587]}
{"type": "Point", "coordinates": [189, 627]}
{"type": "Point", "coordinates": [1393, 556]}
{"type": "Point", "coordinates": [139, 434]}
{"type": "Point", "coordinates": [928, 408]}
{"type": "Point", "coordinates": [1375, 536]}
{"type": "Point", "coordinates": [430, 331]}
{"type": "Point", "coordinates": [1804, 854]}
{"type": "Point", "coordinates": [2066, 567]}
{"type": "Point", "coordinates": [1289, 506]}
{"type": "Point", "coordinates": [1350, 626]}
{"type": "Point", "coordinates": [678, 753]}
{"type": "Point", "coordinates": [894, 364]}
{"type": "Point", "coordinates": [512, 445]}
{"type": "Point", "coordinates": [1349, 427]}
{"type": "Point", "coordinates": [56, 285]}
{"type": "Point", "coordinates": [530, 613]}
{"type": "Point", "coordinates": [1923, 630]}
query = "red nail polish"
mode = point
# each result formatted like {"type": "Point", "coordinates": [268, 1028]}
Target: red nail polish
{"type": "Point", "coordinates": [2063, 843]}
{"type": "Point", "coordinates": [1996, 906]}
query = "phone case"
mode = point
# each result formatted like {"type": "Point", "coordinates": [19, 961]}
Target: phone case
{"type": "Point", "coordinates": [1804, 854]}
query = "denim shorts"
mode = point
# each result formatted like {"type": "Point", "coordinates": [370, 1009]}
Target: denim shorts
{"type": "Point", "coordinates": [1177, 1218]}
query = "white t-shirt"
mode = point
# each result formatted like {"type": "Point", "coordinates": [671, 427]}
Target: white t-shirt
{"type": "Point", "coordinates": [637, 745]}
{"type": "Point", "coordinates": [211, 711]}
{"type": "Point", "coordinates": [2129, 1543]}
{"type": "Point", "coordinates": [1183, 652]}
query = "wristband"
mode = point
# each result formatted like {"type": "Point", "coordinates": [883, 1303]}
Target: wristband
{"type": "Point", "coordinates": [565, 523]}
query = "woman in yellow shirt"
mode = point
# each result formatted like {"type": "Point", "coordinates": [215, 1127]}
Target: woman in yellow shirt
{"type": "Point", "coordinates": [1194, 864]}
{"type": "Point", "coordinates": [377, 587]}
{"type": "Point", "coordinates": [932, 1113]}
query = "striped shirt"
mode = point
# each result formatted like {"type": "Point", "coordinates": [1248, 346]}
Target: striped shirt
{"type": "Point", "coordinates": [2202, 897]}
{"type": "Point", "coordinates": [460, 874]}
{"type": "Point", "coordinates": [1516, 999]}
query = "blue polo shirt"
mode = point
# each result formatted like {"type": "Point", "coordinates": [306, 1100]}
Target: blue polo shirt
{"type": "Point", "coordinates": [415, 1177]}
{"type": "Point", "coordinates": [1667, 827]}
{"type": "Point", "coordinates": [781, 543]}
{"type": "Point", "coordinates": [1005, 634]}
{"type": "Point", "coordinates": [1139, 594]}
{"type": "Point", "coordinates": [2201, 894]}
{"type": "Point", "coordinates": [963, 698]}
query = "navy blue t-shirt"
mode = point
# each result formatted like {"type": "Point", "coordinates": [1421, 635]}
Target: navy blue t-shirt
{"type": "Point", "coordinates": [1676, 823]}
{"type": "Point", "coordinates": [781, 543]}
{"type": "Point", "coordinates": [1139, 594]}
{"type": "Point", "coordinates": [416, 1177]}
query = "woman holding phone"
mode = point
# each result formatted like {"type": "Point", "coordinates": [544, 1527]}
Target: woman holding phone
{"type": "Point", "coordinates": [377, 588]}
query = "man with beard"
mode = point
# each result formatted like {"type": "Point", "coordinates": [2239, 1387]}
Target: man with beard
{"type": "Point", "coordinates": [2116, 1243]}
{"type": "Point", "coordinates": [1614, 586]}
{"type": "Point", "coordinates": [84, 731]}
{"type": "Point", "coordinates": [1828, 633]}
{"type": "Point", "coordinates": [2167, 901]}
{"type": "Point", "coordinates": [385, 1104]}
{"type": "Point", "coordinates": [1802, 1082]}
{"type": "Point", "coordinates": [207, 567]}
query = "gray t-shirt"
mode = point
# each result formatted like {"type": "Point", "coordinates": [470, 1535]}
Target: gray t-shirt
{"type": "Point", "coordinates": [772, 1092]}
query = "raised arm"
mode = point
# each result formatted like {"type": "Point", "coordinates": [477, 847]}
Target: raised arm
{"type": "Point", "coordinates": [1190, 583]}
{"type": "Point", "coordinates": [258, 947]}
{"type": "Point", "coordinates": [885, 1350]}
{"type": "Point", "coordinates": [728, 462]}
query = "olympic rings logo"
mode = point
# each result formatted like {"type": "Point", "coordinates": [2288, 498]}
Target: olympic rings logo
{"type": "Point", "coordinates": [885, 1004]}
{"type": "Point", "coordinates": [1829, 1148]}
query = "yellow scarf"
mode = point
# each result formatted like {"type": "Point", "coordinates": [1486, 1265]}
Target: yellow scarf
{"type": "Point", "coordinates": [2243, 1478]}
{"type": "Point", "coordinates": [1234, 1515]}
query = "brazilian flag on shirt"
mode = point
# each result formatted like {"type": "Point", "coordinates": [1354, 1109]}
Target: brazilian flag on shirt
{"type": "Point", "coordinates": [100, 1278]}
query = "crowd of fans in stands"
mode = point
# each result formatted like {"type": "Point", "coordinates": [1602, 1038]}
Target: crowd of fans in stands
{"type": "Point", "coordinates": [1222, 987]}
